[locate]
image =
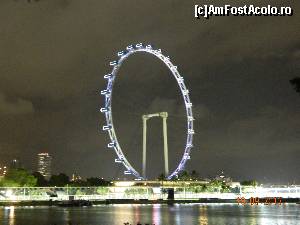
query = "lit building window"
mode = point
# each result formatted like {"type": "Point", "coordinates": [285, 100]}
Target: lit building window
{"type": "Point", "coordinates": [44, 164]}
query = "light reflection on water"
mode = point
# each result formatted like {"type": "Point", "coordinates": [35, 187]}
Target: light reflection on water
{"type": "Point", "coordinates": [11, 215]}
{"type": "Point", "coordinates": [156, 214]}
{"type": "Point", "coordinates": [188, 214]}
{"type": "Point", "coordinates": [203, 220]}
{"type": "Point", "coordinates": [136, 213]}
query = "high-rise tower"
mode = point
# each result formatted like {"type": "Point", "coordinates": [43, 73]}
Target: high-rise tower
{"type": "Point", "coordinates": [44, 164]}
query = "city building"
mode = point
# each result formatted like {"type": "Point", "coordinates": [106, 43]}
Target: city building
{"type": "Point", "coordinates": [76, 177]}
{"type": "Point", "coordinates": [3, 171]}
{"type": "Point", "coordinates": [44, 164]}
{"type": "Point", "coordinates": [15, 164]}
{"type": "Point", "coordinates": [221, 177]}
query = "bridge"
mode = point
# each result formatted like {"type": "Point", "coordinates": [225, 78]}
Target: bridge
{"type": "Point", "coordinates": [154, 190]}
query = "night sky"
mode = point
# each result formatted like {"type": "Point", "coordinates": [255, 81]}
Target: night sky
{"type": "Point", "coordinates": [54, 53]}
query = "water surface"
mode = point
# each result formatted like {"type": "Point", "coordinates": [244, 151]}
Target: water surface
{"type": "Point", "coordinates": [188, 214]}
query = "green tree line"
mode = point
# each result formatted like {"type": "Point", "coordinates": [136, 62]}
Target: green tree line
{"type": "Point", "coordinates": [23, 178]}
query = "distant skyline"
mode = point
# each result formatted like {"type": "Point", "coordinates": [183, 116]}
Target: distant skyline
{"type": "Point", "coordinates": [238, 70]}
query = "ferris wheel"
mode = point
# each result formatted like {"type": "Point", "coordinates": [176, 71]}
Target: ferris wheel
{"type": "Point", "coordinates": [107, 109]}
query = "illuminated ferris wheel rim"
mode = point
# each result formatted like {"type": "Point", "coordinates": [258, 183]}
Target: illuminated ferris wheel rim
{"type": "Point", "coordinates": [107, 109]}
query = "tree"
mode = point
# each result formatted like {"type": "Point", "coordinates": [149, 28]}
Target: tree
{"type": "Point", "coordinates": [194, 175]}
{"type": "Point", "coordinates": [102, 190]}
{"type": "Point", "coordinates": [161, 177]}
{"type": "Point", "coordinates": [184, 175]}
{"type": "Point", "coordinates": [41, 181]}
{"type": "Point", "coordinates": [249, 183]}
{"type": "Point", "coordinates": [18, 178]}
{"type": "Point", "coordinates": [78, 183]}
{"type": "Point", "coordinates": [59, 180]}
{"type": "Point", "coordinates": [95, 181]}
{"type": "Point", "coordinates": [215, 185]}
{"type": "Point", "coordinates": [296, 83]}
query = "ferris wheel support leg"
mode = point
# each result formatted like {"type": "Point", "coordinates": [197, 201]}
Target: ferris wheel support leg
{"type": "Point", "coordinates": [144, 145]}
{"type": "Point", "coordinates": [166, 155]}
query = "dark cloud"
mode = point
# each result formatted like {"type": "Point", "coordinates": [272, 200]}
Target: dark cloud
{"type": "Point", "coordinates": [54, 53]}
{"type": "Point", "coordinates": [18, 106]}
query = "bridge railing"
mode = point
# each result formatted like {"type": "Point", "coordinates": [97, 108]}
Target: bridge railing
{"type": "Point", "coordinates": [151, 193]}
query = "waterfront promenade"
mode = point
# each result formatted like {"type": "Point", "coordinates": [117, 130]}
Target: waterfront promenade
{"type": "Point", "coordinates": [149, 193]}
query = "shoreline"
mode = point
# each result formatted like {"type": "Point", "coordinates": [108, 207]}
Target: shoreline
{"type": "Point", "coordinates": [135, 201]}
